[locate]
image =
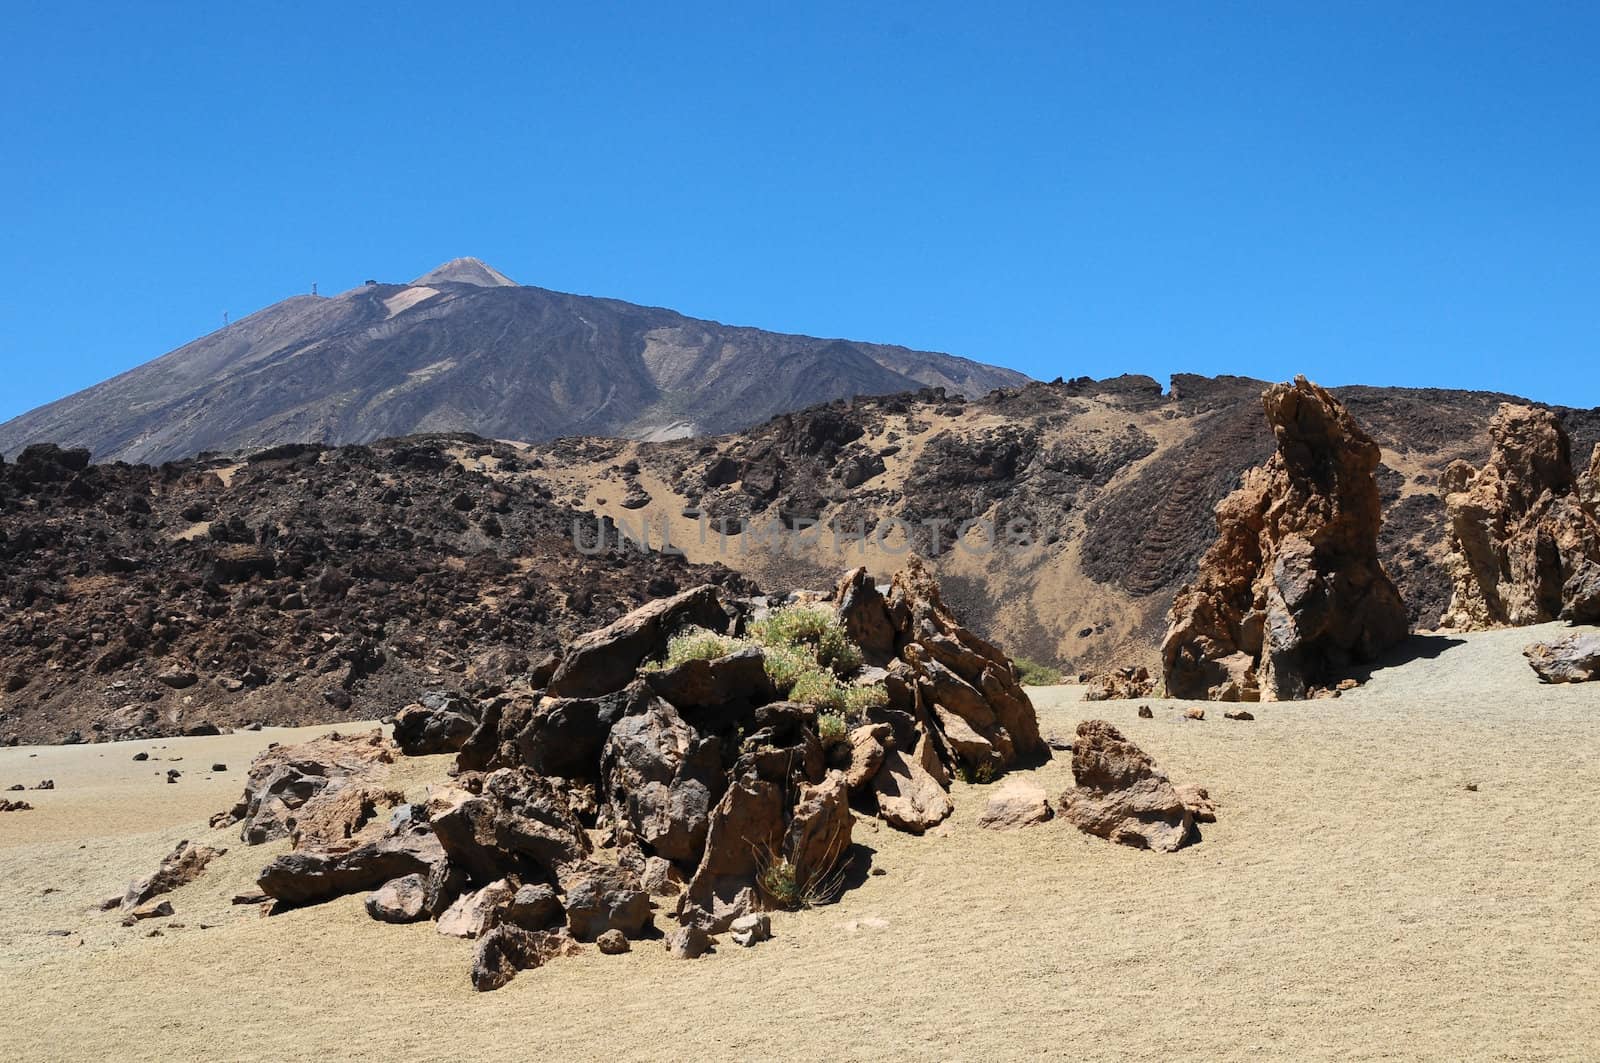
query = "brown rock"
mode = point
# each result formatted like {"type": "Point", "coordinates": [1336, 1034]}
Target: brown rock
{"type": "Point", "coordinates": [746, 826]}
{"type": "Point", "coordinates": [1121, 684]}
{"type": "Point", "coordinates": [865, 616]}
{"type": "Point", "coordinates": [1121, 795]}
{"type": "Point", "coordinates": [606, 660]}
{"type": "Point", "coordinates": [1292, 592]}
{"type": "Point", "coordinates": [1573, 659]}
{"type": "Point", "coordinates": [520, 824]}
{"type": "Point", "coordinates": [1014, 805]}
{"type": "Point", "coordinates": [662, 779]}
{"type": "Point", "coordinates": [867, 749]}
{"type": "Point", "coordinates": [476, 913]}
{"type": "Point", "coordinates": [342, 814]}
{"type": "Point", "coordinates": [601, 897]}
{"type": "Point", "coordinates": [1197, 799]}
{"type": "Point", "coordinates": [178, 868]}
{"type": "Point", "coordinates": [1520, 527]}
{"type": "Point", "coordinates": [1242, 714]}
{"type": "Point", "coordinates": [147, 910]}
{"type": "Point", "coordinates": [1194, 713]}
{"type": "Point", "coordinates": [1145, 713]}
{"type": "Point", "coordinates": [908, 797]}
{"type": "Point", "coordinates": [612, 943]}
{"type": "Point", "coordinates": [306, 877]}
{"type": "Point", "coordinates": [688, 943]}
{"type": "Point", "coordinates": [401, 900]}
{"type": "Point", "coordinates": [438, 724]}
{"type": "Point", "coordinates": [281, 780]}
{"type": "Point", "coordinates": [507, 949]}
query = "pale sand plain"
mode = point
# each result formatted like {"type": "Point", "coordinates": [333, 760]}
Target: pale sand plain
{"type": "Point", "coordinates": [1354, 901]}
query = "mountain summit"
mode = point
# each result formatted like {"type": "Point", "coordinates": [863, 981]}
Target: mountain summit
{"type": "Point", "coordinates": [463, 348]}
{"type": "Point", "coordinates": [466, 271]}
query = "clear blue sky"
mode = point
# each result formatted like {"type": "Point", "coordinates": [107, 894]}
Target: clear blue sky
{"type": "Point", "coordinates": [1375, 193]}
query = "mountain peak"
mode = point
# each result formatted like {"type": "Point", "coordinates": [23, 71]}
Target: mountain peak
{"type": "Point", "coordinates": [466, 271]}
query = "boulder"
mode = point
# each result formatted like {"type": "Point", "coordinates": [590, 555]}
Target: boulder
{"type": "Point", "coordinates": [1572, 659]}
{"type": "Point", "coordinates": [400, 900]}
{"type": "Point", "coordinates": [1581, 595]}
{"type": "Point", "coordinates": [440, 723]}
{"type": "Point", "coordinates": [601, 897]}
{"type": "Point", "coordinates": [342, 814]}
{"type": "Point", "coordinates": [867, 749]}
{"type": "Point", "coordinates": [476, 913]}
{"type": "Point", "coordinates": [535, 907]}
{"type": "Point", "coordinates": [1016, 804]}
{"type": "Point", "coordinates": [908, 796]}
{"type": "Point", "coordinates": [310, 877]}
{"type": "Point", "coordinates": [662, 778]}
{"type": "Point", "coordinates": [748, 930]}
{"type": "Point", "coordinates": [560, 737]}
{"type": "Point", "coordinates": [606, 660]}
{"type": "Point", "coordinates": [1292, 593]}
{"type": "Point", "coordinates": [178, 868]}
{"type": "Point", "coordinates": [1127, 682]}
{"type": "Point", "coordinates": [865, 616]}
{"type": "Point", "coordinates": [746, 827]}
{"type": "Point", "coordinates": [520, 824]}
{"type": "Point", "coordinates": [507, 949]}
{"type": "Point", "coordinates": [817, 841]}
{"type": "Point", "coordinates": [281, 780]}
{"type": "Point", "coordinates": [660, 878]}
{"type": "Point", "coordinates": [1522, 532]}
{"type": "Point", "coordinates": [688, 942]}
{"type": "Point", "coordinates": [738, 677]}
{"type": "Point", "coordinates": [1121, 795]}
{"type": "Point", "coordinates": [612, 943]}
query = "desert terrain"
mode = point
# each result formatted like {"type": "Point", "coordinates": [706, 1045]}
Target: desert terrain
{"type": "Point", "coordinates": [1407, 871]}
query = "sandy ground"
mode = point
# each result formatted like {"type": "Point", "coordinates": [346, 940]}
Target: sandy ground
{"type": "Point", "coordinates": [1355, 901]}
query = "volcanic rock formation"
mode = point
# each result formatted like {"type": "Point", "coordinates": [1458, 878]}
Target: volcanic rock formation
{"type": "Point", "coordinates": [1524, 529]}
{"type": "Point", "coordinates": [712, 744]}
{"type": "Point", "coordinates": [1121, 794]}
{"type": "Point", "coordinates": [1293, 592]}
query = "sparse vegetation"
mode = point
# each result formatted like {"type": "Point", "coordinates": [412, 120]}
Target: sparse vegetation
{"type": "Point", "coordinates": [780, 883]}
{"type": "Point", "coordinates": [1035, 674]}
{"type": "Point", "coordinates": [695, 644]}
{"type": "Point", "coordinates": [815, 629]}
{"type": "Point", "coordinates": [832, 728]}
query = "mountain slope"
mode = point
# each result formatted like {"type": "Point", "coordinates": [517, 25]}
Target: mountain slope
{"type": "Point", "coordinates": [464, 348]}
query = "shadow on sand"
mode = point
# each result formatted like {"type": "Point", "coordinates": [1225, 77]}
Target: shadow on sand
{"type": "Point", "coordinates": [1415, 648]}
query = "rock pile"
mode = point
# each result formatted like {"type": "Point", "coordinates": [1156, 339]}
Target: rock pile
{"type": "Point", "coordinates": [674, 754]}
{"type": "Point", "coordinates": [1524, 529]}
{"type": "Point", "coordinates": [1293, 592]}
{"type": "Point", "coordinates": [1127, 682]}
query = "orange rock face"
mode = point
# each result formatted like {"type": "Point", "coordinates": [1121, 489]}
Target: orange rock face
{"type": "Point", "coordinates": [1524, 528]}
{"type": "Point", "coordinates": [1293, 592]}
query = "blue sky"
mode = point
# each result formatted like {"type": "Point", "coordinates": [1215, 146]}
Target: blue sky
{"type": "Point", "coordinates": [1367, 193]}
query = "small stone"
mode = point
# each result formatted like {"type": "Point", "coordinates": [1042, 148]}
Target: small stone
{"type": "Point", "coordinates": [1145, 713]}
{"type": "Point", "coordinates": [253, 897]}
{"type": "Point", "coordinates": [148, 910]}
{"type": "Point", "coordinates": [1472, 787]}
{"type": "Point", "coordinates": [1242, 714]}
{"type": "Point", "coordinates": [878, 871]}
{"type": "Point", "coordinates": [219, 767]}
{"type": "Point", "coordinates": [173, 775]}
{"type": "Point", "coordinates": [612, 943]}
{"type": "Point", "coordinates": [401, 900]}
{"type": "Point", "coordinates": [749, 929]}
{"type": "Point", "coordinates": [141, 756]}
{"type": "Point", "coordinates": [1194, 714]}
{"type": "Point", "coordinates": [688, 943]}
{"type": "Point", "coordinates": [46, 784]}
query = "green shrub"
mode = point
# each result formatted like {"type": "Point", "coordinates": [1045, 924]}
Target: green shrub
{"type": "Point", "coordinates": [785, 666]}
{"type": "Point", "coordinates": [857, 700]}
{"type": "Point", "coordinates": [1034, 674]}
{"type": "Point", "coordinates": [832, 728]}
{"type": "Point", "coordinates": [698, 644]}
{"type": "Point", "coordinates": [780, 883]}
{"type": "Point", "coordinates": [819, 689]}
{"type": "Point", "coordinates": [814, 629]}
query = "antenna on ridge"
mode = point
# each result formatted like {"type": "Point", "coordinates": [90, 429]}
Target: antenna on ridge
{"type": "Point", "coordinates": [313, 287]}
{"type": "Point", "coordinates": [224, 319]}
